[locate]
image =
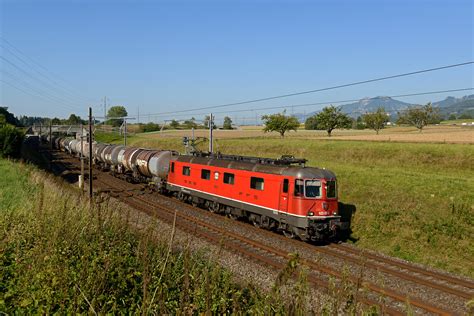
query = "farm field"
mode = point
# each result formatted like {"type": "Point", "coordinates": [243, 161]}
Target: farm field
{"type": "Point", "coordinates": [414, 200]}
{"type": "Point", "coordinates": [455, 134]}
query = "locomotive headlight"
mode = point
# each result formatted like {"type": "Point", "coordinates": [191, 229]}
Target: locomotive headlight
{"type": "Point", "coordinates": [310, 213]}
{"type": "Point", "coordinates": [335, 213]}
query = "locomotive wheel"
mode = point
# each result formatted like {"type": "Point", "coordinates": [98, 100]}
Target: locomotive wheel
{"type": "Point", "coordinates": [289, 231]}
{"type": "Point", "coordinates": [256, 220]}
{"type": "Point", "coordinates": [181, 196]}
{"type": "Point", "coordinates": [289, 234]}
{"type": "Point", "coordinates": [214, 207]}
{"type": "Point", "coordinates": [257, 224]}
{"type": "Point", "coordinates": [232, 216]}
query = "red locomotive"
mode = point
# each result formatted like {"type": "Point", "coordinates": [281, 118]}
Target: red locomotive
{"type": "Point", "coordinates": [279, 194]}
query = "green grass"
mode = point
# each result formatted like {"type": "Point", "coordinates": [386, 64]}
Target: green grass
{"type": "Point", "coordinates": [60, 257]}
{"type": "Point", "coordinates": [414, 200]}
{"type": "Point", "coordinates": [457, 121]}
{"type": "Point", "coordinates": [104, 137]}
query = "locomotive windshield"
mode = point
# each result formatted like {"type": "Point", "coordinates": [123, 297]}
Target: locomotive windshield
{"type": "Point", "coordinates": [313, 188]}
{"type": "Point", "coordinates": [331, 191]}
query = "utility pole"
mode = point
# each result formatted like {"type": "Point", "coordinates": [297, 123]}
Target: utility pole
{"type": "Point", "coordinates": [125, 132]}
{"type": "Point", "coordinates": [138, 115]}
{"type": "Point", "coordinates": [105, 110]}
{"type": "Point", "coordinates": [90, 154]}
{"type": "Point", "coordinates": [211, 125]}
{"type": "Point", "coordinates": [82, 159]}
{"type": "Point", "coordinates": [50, 133]}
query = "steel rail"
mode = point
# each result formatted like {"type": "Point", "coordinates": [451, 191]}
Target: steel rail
{"type": "Point", "coordinates": [314, 266]}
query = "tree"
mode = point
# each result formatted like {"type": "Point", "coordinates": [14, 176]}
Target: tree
{"type": "Point", "coordinates": [376, 120]}
{"type": "Point", "coordinates": [206, 120]}
{"type": "Point", "coordinates": [56, 121]}
{"type": "Point", "coordinates": [465, 116]}
{"type": "Point", "coordinates": [3, 120]}
{"type": "Point", "coordinates": [149, 127]}
{"type": "Point", "coordinates": [116, 112]}
{"type": "Point", "coordinates": [73, 120]}
{"type": "Point", "coordinates": [280, 123]}
{"type": "Point", "coordinates": [452, 117]}
{"type": "Point", "coordinates": [174, 124]}
{"type": "Point", "coordinates": [419, 116]}
{"type": "Point", "coordinates": [358, 123]}
{"type": "Point", "coordinates": [311, 123]}
{"type": "Point", "coordinates": [9, 117]}
{"type": "Point", "coordinates": [227, 123]}
{"type": "Point", "coordinates": [190, 123]}
{"type": "Point", "coordinates": [330, 118]}
{"type": "Point", "coordinates": [10, 141]}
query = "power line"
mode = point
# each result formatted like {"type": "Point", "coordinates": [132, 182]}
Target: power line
{"type": "Point", "coordinates": [326, 102]}
{"type": "Point", "coordinates": [37, 79]}
{"type": "Point", "coordinates": [323, 89]}
{"type": "Point", "coordinates": [24, 91]}
{"type": "Point", "coordinates": [49, 75]}
{"type": "Point", "coordinates": [40, 92]}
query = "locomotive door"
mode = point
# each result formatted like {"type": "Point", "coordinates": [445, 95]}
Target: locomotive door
{"type": "Point", "coordinates": [284, 195]}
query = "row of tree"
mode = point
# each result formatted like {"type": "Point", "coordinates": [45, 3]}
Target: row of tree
{"type": "Point", "coordinates": [192, 123]}
{"type": "Point", "coordinates": [11, 137]}
{"type": "Point", "coordinates": [331, 118]}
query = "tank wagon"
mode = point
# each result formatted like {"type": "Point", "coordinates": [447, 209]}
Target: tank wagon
{"type": "Point", "coordinates": [278, 194]}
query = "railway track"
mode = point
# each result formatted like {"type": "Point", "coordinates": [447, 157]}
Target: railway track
{"type": "Point", "coordinates": [276, 258]}
{"type": "Point", "coordinates": [262, 254]}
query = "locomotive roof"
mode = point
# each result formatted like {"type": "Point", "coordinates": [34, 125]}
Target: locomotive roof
{"type": "Point", "coordinates": [285, 170]}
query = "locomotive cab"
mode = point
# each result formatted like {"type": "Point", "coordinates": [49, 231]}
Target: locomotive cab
{"type": "Point", "coordinates": [316, 199]}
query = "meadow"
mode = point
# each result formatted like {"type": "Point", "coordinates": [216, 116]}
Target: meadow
{"type": "Point", "coordinates": [414, 198]}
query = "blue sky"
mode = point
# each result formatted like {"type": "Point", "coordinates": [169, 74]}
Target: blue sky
{"type": "Point", "coordinates": [175, 55]}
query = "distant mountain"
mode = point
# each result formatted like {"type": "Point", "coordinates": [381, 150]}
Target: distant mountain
{"type": "Point", "coordinates": [449, 101]}
{"type": "Point", "coordinates": [465, 106]}
{"type": "Point", "coordinates": [367, 105]}
{"type": "Point", "coordinates": [447, 106]}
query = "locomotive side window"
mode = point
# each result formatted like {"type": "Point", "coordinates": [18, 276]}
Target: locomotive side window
{"type": "Point", "coordinates": [172, 167]}
{"type": "Point", "coordinates": [285, 186]}
{"type": "Point", "coordinates": [331, 191]}
{"type": "Point", "coordinates": [228, 178]}
{"type": "Point", "coordinates": [186, 171]}
{"type": "Point", "coordinates": [205, 174]}
{"type": "Point", "coordinates": [313, 188]}
{"type": "Point", "coordinates": [299, 187]}
{"type": "Point", "coordinates": [256, 183]}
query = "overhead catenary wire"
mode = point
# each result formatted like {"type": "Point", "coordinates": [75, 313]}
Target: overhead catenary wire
{"type": "Point", "coordinates": [27, 85]}
{"type": "Point", "coordinates": [41, 70]}
{"type": "Point", "coordinates": [40, 81]}
{"type": "Point", "coordinates": [29, 93]}
{"type": "Point", "coordinates": [324, 102]}
{"type": "Point", "coordinates": [320, 89]}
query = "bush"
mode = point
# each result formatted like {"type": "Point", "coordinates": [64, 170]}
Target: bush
{"type": "Point", "coordinates": [10, 141]}
{"type": "Point", "coordinates": [150, 127]}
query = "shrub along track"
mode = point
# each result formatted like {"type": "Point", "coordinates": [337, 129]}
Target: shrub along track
{"type": "Point", "coordinates": [270, 256]}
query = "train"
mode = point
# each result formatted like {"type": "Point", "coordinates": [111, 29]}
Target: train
{"type": "Point", "coordinates": [280, 194]}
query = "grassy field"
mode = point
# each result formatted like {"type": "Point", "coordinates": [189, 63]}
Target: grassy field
{"type": "Point", "coordinates": [414, 200]}
{"type": "Point", "coordinates": [58, 256]}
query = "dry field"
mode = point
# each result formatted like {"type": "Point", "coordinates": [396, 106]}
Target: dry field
{"type": "Point", "coordinates": [431, 134]}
